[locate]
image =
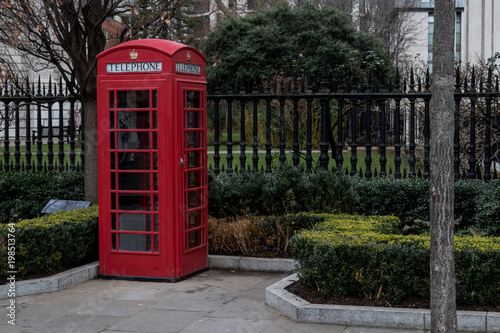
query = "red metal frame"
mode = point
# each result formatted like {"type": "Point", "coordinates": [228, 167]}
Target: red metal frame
{"type": "Point", "coordinates": [152, 161]}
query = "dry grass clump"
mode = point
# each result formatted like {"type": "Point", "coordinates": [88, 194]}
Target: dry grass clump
{"type": "Point", "coordinates": [248, 236]}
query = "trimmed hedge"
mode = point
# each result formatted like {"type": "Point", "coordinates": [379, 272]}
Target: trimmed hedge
{"type": "Point", "coordinates": [289, 190]}
{"type": "Point", "coordinates": [52, 241]}
{"type": "Point", "coordinates": [364, 256]}
{"type": "Point", "coordinates": [24, 194]}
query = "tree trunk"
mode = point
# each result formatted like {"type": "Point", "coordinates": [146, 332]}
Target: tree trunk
{"type": "Point", "coordinates": [90, 157]}
{"type": "Point", "coordinates": [442, 263]}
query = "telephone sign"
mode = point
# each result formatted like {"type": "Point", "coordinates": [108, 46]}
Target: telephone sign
{"type": "Point", "coordinates": [152, 161]}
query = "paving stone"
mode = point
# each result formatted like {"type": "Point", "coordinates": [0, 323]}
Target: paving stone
{"type": "Point", "coordinates": [75, 323]}
{"type": "Point", "coordinates": [138, 294]}
{"type": "Point", "coordinates": [247, 309]}
{"type": "Point", "coordinates": [113, 307]}
{"type": "Point", "coordinates": [283, 324]}
{"type": "Point", "coordinates": [37, 313]}
{"type": "Point", "coordinates": [354, 329]}
{"type": "Point", "coordinates": [226, 325]}
{"type": "Point", "coordinates": [180, 304]}
{"type": "Point", "coordinates": [158, 321]}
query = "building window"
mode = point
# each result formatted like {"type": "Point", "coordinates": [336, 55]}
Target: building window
{"type": "Point", "coordinates": [430, 41]}
{"type": "Point", "coordinates": [458, 38]}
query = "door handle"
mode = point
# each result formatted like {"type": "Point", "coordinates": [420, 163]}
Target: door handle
{"type": "Point", "coordinates": [182, 161]}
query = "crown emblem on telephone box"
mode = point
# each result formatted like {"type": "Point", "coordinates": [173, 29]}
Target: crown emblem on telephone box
{"type": "Point", "coordinates": [133, 55]}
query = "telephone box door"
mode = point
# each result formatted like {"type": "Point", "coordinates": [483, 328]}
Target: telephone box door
{"type": "Point", "coordinates": [194, 177]}
{"type": "Point", "coordinates": [129, 149]}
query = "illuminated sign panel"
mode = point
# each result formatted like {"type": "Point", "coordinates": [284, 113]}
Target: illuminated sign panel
{"type": "Point", "coordinates": [187, 68]}
{"type": "Point", "coordinates": [132, 67]}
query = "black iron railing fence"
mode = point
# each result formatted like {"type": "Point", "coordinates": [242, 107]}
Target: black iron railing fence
{"type": "Point", "coordinates": [365, 127]}
{"type": "Point", "coordinates": [387, 114]}
{"type": "Point", "coordinates": [41, 119]}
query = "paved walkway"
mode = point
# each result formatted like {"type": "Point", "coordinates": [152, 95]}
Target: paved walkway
{"type": "Point", "coordinates": [213, 301]}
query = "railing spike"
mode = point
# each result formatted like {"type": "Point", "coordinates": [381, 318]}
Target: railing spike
{"type": "Point", "coordinates": [489, 83]}
{"type": "Point", "coordinates": [412, 80]}
{"type": "Point", "coordinates": [473, 79]}
{"type": "Point", "coordinates": [242, 85]}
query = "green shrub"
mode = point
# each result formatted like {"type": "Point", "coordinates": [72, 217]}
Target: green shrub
{"type": "Point", "coordinates": [24, 194]}
{"type": "Point", "coordinates": [358, 256]}
{"type": "Point", "coordinates": [407, 199]}
{"type": "Point", "coordinates": [487, 208]}
{"type": "Point", "coordinates": [51, 241]}
{"type": "Point", "coordinates": [287, 190]}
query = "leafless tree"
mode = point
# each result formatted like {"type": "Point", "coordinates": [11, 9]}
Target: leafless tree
{"type": "Point", "coordinates": [388, 20]}
{"type": "Point", "coordinates": [68, 35]}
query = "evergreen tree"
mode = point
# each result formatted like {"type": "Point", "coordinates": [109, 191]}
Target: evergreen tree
{"type": "Point", "coordinates": [285, 38]}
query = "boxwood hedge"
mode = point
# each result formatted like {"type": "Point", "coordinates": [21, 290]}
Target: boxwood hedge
{"type": "Point", "coordinates": [24, 194]}
{"type": "Point", "coordinates": [365, 256]}
{"type": "Point", "coordinates": [52, 241]}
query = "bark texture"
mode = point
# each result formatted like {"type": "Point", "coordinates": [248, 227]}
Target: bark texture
{"type": "Point", "coordinates": [90, 141]}
{"type": "Point", "coordinates": [442, 263]}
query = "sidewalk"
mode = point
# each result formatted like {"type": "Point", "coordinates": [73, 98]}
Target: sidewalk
{"type": "Point", "coordinates": [213, 301]}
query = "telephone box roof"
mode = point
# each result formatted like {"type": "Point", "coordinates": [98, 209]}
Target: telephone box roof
{"type": "Point", "coordinates": [164, 46]}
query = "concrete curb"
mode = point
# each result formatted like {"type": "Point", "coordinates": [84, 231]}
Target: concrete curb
{"type": "Point", "coordinates": [83, 273]}
{"type": "Point", "coordinates": [276, 265]}
{"type": "Point", "coordinates": [302, 311]}
{"type": "Point", "coordinates": [52, 283]}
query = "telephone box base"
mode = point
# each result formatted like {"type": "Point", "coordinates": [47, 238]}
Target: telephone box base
{"type": "Point", "coordinates": [149, 279]}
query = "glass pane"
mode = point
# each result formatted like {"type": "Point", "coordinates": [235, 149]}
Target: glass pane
{"type": "Point", "coordinates": [194, 159]}
{"type": "Point", "coordinates": [193, 139]}
{"type": "Point", "coordinates": [155, 99]}
{"type": "Point", "coordinates": [134, 242]}
{"type": "Point", "coordinates": [133, 119]}
{"type": "Point", "coordinates": [113, 201]}
{"type": "Point", "coordinates": [194, 239]}
{"type": "Point", "coordinates": [193, 99]}
{"type": "Point", "coordinates": [155, 161]}
{"type": "Point", "coordinates": [113, 181]}
{"type": "Point", "coordinates": [111, 99]}
{"type": "Point", "coordinates": [194, 179]}
{"type": "Point", "coordinates": [135, 222]}
{"type": "Point", "coordinates": [193, 119]}
{"type": "Point", "coordinates": [134, 201]}
{"type": "Point", "coordinates": [111, 120]}
{"type": "Point", "coordinates": [156, 241]}
{"type": "Point", "coordinates": [194, 219]}
{"type": "Point", "coordinates": [134, 161]}
{"type": "Point", "coordinates": [155, 120]}
{"type": "Point", "coordinates": [112, 140]}
{"type": "Point", "coordinates": [156, 221]}
{"type": "Point", "coordinates": [113, 242]}
{"type": "Point", "coordinates": [193, 199]}
{"type": "Point", "coordinates": [113, 160]}
{"type": "Point", "coordinates": [134, 181]}
{"type": "Point", "coordinates": [155, 140]}
{"type": "Point", "coordinates": [132, 140]}
{"type": "Point", "coordinates": [133, 99]}
{"type": "Point", "coordinates": [113, 221]}
{"type": "Point", "coordinates": [155, 182]}
{"type": "Point", "coordinates": [155, 202]}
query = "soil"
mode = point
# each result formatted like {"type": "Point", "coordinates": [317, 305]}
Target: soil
{"type": "Point", "coordinates": [312, 296]}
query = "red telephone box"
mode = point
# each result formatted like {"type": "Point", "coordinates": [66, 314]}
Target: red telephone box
{"type": "Point", "coordinates": [151, 97]}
